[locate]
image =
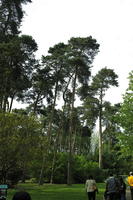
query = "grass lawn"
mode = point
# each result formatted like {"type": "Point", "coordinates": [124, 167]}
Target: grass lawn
{"type": "Point", "coordinates": [56, 192]}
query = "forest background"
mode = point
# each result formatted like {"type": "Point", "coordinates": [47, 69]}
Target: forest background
{"type": "Point", "coordinates": [54, 139]}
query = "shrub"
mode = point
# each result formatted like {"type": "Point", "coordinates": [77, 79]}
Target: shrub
{"type": "Point", "coordinates": [14, 176]}
{"type": "Point", "coordinates": [83, 168]}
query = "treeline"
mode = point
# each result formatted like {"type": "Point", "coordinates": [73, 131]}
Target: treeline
{"type": "Point", "coordinates": [52, 140]}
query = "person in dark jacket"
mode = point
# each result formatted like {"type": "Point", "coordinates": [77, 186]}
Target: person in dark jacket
{"type": "Point", "coordinates": [112, 188]}
{"type": "Point", "coordinates": [21, 196]}
{"type": "Point", "coordinates": [122, 188]}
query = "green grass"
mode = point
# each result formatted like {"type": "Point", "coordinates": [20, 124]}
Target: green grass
{"type": "Point", "coordinates": [56, 192]}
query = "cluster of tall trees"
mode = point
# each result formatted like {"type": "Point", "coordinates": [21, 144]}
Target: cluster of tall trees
{"type": "Point", "coordinates": [52, 124]}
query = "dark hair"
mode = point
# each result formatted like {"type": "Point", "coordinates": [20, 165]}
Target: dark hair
{"type": "Point", "coordinates": [90, 177]}
{"type": "Point", "coordinates": [121, 179]}
{"type": "Point", "coordinates": [21, 196]}
{"type": "Point", "coordinates": [110, 174]}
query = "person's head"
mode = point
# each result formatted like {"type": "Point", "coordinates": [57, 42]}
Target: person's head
{"type": "Point", "coordinates": [111, 174]}
{"type": "Point", "coordinates": [131, 173]}
{"type": "Point", "coordinates": [90, 177]}
{"type": "Point", "coordinates": [21, 196]}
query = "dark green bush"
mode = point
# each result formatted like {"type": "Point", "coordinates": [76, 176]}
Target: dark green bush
{"type": "Point", "coordinates": [14, 176]}
{"type": "Point", "coordinates": [83, 168]}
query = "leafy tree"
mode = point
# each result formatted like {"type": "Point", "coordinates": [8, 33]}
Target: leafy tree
{"type": "Point", "coordinates": [16, 53]}
{"type": "Point", "coordinates": [40, 91]}
{"type": "Point", "coordinates": [55, 64]}
{"type": "Point", "coordinates": [111, 127]}
{"type": "Point", "coordinates": [82, 53]}
{"type": "Point", "coordinates": [90, 111]}
{"type": "Point", "coordinates": [19, 138]}
{"type": "Point", "coordinates": [102, 81]}
{"type": "Point", "coordinates": [11, 14]}
{"type": "Point", "coordinates": [124, 118]}
{"type": "Point", "coordinates": [17, 62]}
{"type": "Point", "coordinates": [68, 65]}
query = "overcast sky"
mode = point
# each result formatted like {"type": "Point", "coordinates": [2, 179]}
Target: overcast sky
{"type": "Point", "coordinates": [110, 22]}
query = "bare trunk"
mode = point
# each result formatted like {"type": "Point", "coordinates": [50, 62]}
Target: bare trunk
{"type": "Point", "coordinates": [48, 135]}
{"type": "Point", "coordinates": [36, 102]}
{"type": "Point", "coordinates": [69, 181]}
{"type": "Point", "coordinates": [10, 107]}
{"type": "Point", "coordinates": [100, 132]}
{"type": "Point", "coordinates": [100, 143]}
{"type": "Point", "coordinates": [73, 142]}
{"type": "Point", "coordinates": [54, 157]}
{"type": "Point", "coordinates": [42, 171]}
{"type": "Point", "coordinates": [52, 112]}
{"type": "Point", "coordinates": [5, 104]}
{"type": "Point", "coordinates": [69, 178]}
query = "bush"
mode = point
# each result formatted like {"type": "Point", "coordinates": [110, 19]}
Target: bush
{"type": "Point", "coordinates": [83, 168]}
{"type": "Point", "coordinates": [13, 177]}
{"type": "Point", "coordinates": [32, 180]}
{"type": "Point", "coordinates": [60, 172]}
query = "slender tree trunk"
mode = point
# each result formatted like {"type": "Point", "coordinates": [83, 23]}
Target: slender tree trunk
{"type": "Point", "coordinates": [10, 107]}
{"type": "Point", "coordinates": [53, 167]}
{"type": "Point", "coordinates": [69, 173]}
{"type": "Point", "coordinates": [73, 142]}
{"type": "Point", "coordinates": [100, 143]}
{"type": "Point", "coordinates": [1, 102]}
{"type": "Point", "coordinates": [52, 112]}
{"type": "Point", "coordinates": [36, 102]}
{"type": "Point", "coordinates": [49, 136]}
{"type": "Point", "coordinates": [5, 103]}
{"type": "Point", "coordinates": [65, 146]}
{"type": "Point", "coordinates": [100, 133]}
{"type": "Point", "coordinates": [54, 157]}
{"type": "Point", "coordinates": [42, 170]}
{"type": "Point", "coordinates": [24, 172]}
{"type": "Point", "coordinates": [69, 178]}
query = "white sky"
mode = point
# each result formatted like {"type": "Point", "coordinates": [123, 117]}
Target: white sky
{"type": "Point", "coordinates": [110, 22]}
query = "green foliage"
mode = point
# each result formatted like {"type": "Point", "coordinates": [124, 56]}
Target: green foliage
{"type": "Point", "coordinates": [81, 169]}
{"type": "Point", "coordinates": [14, 176]}
{"type": "Point", "coordinates": [11, 14]}
{"type": "Point", "coordinates": [17, 62]}
{"type": "Point", "coordinates": [124, 118]}
{"type": "Point", "coordinates": [19, 139]}
{"type": "Point", "coordinates": [104, 79]}
{"type": "Point", "coordinates": [64, 73]}
{"type": "Point", "coordinates": [16, 54]}
{"type": "Point", "coordinates": [60, 172]}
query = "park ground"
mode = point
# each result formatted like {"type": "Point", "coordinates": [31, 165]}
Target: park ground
{"type": "Point", "coordinates": [58, 192]}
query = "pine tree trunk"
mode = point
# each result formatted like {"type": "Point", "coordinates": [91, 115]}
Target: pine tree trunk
{"type": "Point", "coordinates": [100, 132]}
{"type": "Point", "coordinates": [100, 143]}
{"type": "Point", "coordinates": [69, 172]}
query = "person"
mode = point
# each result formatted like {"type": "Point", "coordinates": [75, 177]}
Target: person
{"type": "Point", "coordinates": [122, 188]}
{"type": "Point", "coordinates": [111, 188]}
{"type": "Point", "coordinates": [21, 196]}
{"type": "Point", "coordinates": [91, 188]}
{"type": "Point", "coordinates": [130, 182]}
